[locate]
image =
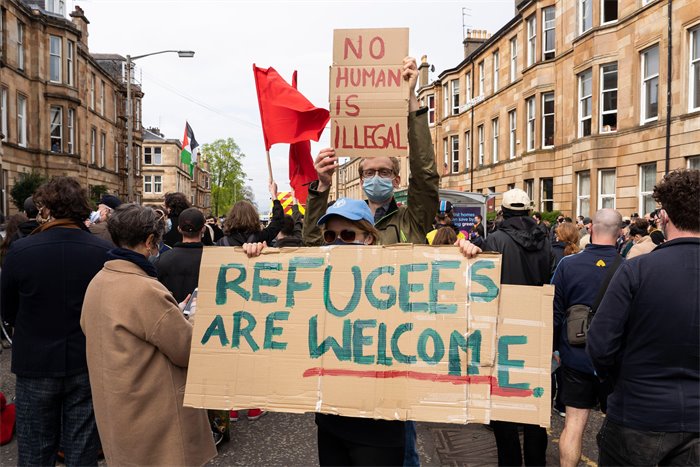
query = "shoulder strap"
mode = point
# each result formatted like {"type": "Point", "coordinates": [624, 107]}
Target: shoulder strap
{"type": "Point", "coordinates": [604, 286]}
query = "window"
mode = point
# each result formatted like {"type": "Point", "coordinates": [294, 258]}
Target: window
{"type": "Point", "coordinates": [71, 131]}
{"type": "Point", "coordinates": [445, 155]}
{"type": "Point", "coordinates": [694, 162]}
{"type": "Point", "coordinates": [455, 96]}
{"type": "Point", "coordinates": [93, 142]}
{"type": "Point", "coordinates": [547, 195]}
{"type": "Point", "coordinates": [158, 183]}
{"type": "Point", "coordinates": [468, 92]}
{"type": "Point", "coordinates": [547, 119]}
{"type": "Point", "coordinates": [694, 88]}
{"type": "Point", "coordinates": [494, 142]}
{"type": "Point", "coordinates": [650, 84]}
{"type": "Point", "coordinates": [609, 11]}
{"type": "Point", "coordinates": [102, 97]}
{"type": "Point", "coordinates": [647, 180]}
{"type": "Point", "coordinates": [606, 188]}
{"type": "Point", "coordinates": [480, 132]}
{"type": "Point", "coordinates": [585, 93]}
{"type": "Point", "coordinates": [70, 64]}
{"type": "Point", "coordinates": [513, 59]}
{"type": "Point", "coordinates": [512, 123]}
{"type": "Point", "coordinates": [548, 39]}
{"type": "Point", "coordinates": [585, 15]}
{"type": "Point", "coordinates": [147, 184]}
{"type": "Point", "coordinates": [431, 108]}
{"type": "Point", "coordinates": [92, 91]}
{"type": "Point", "coordinates": [116, 155]}
{"type": "Point", "coordinates": [608, 98]}
{"type": "Point", "coordinates": [531, 39]}
{"type": "Point", "coordinates": [583, 198]}
{"type": "Point", "coordinates": [3, 112]}
{"type": "Point", "coordinates": [530, 104]}
{"type": "Point", "coordinates": [21, 120]}
{"type": "Point", "coordinates": [454, 142]}
{"type": "Point", "coordinates": [56, 129]}
{"type": "Point", "coordinates": [152, 155]}
{"type": "Point", "coordinates": [114, 106]}
{"type": "Point", "coordinates": [528, 186]}
{"type": "Point", "coordinates": [20, 45]}
{"type": "Point", "coordinates": [446, 101]}
{"type": "Point", "coordinates": [496, 65]}
{"type": "Point", "coordinates": [55, 59]}
{"type": "Point", "coordinates": [137, 120]}
{"type": "Point", "coordinates": [467, 149]}
{"type": "Point", "coordinates": [103, 149]}
{"type": "Point", "coordinates": [481, 78]}
{"type": "Point", "coordinates": [56, 6]}
{"type": "Point", "coordinates": [3, 41]}
{"type": "Point", "coordinates": [510, 186]}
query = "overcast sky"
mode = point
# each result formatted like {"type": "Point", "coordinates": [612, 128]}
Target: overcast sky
{"type": "Point", "coordinates": [215, 90]}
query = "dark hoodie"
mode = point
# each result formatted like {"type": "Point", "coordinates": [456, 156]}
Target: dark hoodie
{"type": "Point", "coordinates": [526, 251]}
{"type": "Point", "coordinates": [25, 228]}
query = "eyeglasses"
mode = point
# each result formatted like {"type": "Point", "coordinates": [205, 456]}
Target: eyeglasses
{"type": "Point", "coordinates": [347, 236]}
{"type": "Point", "coordinates": [384, 173]}
{"type": "Point", "coordinates": [161, 214]}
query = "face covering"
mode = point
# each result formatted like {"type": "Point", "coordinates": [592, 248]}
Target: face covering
{"type": "Point", "coordinates": [168, 225]}
{"type": "Point", "coordinates": [94, 216]}
{"type": "Point", "coordinates": [378, 189]}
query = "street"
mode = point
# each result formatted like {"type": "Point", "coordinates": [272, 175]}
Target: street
{"type": "Point", "coordinates": [290, 439]}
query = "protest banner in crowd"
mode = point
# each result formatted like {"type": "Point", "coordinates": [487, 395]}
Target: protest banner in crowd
{"type": "Point", "coordinates": [392, 332]}
{"type": "Point", "coordinates": [368, 96]}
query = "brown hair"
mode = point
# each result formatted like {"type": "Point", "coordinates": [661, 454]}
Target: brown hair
{"type": "Point", "coordinates": [445, 236]}
{"type": "Point", "coordinates": [395, 165]}
{"type": "Point", "coordinates": [568, 233]}
{"type": "Point", "coordinates": [679, 194]}
{"type": "Point", "coordinates": [65, 198]}
{"type": "Point", "coordinates": [11, 230]}
{"type": "Point", "coordinates": [243, 217]}
{"type": "Point", "coordinates": [176, 202]}
{"type": "Point", "coordinates": [639, 227]}
{"type": "Point", "coordinates": [366, 227]}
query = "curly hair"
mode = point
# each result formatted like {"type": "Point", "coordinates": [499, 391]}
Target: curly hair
{"type": "Point", "coordinates": [176, 202]}
{"type": "Point", "coordinates": [131, 224]}
{"type": "Point", "coordinates": [65, 198]}
{"type": "Point", "coordinates": [639, 227]}
{"type": "Point", "coordinates": [568, 233]}
{"type": "Point", "coordinates": [679, 194]}
{"type": "Point", "coordinates": [243, 217]}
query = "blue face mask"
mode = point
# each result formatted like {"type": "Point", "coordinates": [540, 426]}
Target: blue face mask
{"type": "Point", "coordinates": [378, 189]}
{"type": "Point", "coordinates": [168, 225]}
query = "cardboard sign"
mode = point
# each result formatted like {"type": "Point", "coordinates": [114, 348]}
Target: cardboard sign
{"type": "Point", "coordinates": [368, 96]}
{"type": "Point", "coordinates": [397, 332]}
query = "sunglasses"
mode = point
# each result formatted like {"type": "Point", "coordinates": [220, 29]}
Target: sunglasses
{"type": "Point", "coordinates": [347, 236]}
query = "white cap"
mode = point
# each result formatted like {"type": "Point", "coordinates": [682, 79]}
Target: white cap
{"type": "Point", "coordinates": [516, 200]}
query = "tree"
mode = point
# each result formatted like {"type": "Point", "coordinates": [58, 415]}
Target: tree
{"type": "Point", "coordinates": [25, 187]}
{"type": "Point", "coordinates": [227, 174]}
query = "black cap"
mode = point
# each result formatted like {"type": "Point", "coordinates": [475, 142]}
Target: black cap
{"type": "Point", "coordinates": [587, 220]}
{"type": "Point", "coordinates": [191, 220]}
{"type": "Point", "coordinates": [110, 201]}
{"type": "Point", "coordinates": [30, 208]}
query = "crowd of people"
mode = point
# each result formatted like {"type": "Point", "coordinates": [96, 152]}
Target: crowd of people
{"type": "Point", "coordinates": [101, 304]}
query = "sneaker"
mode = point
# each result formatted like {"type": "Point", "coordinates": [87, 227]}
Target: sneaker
{"type": "Point", "coordinates": [233, 415]}
{"type": "Point", "coordinates": [254, 414]}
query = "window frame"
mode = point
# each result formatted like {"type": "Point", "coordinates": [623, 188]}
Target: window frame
{"type": "Point", "coordinates": [543, 200]}
{"type": "Point", "coordinates": [93, 144]}
{"type": "Point", "coordinates": [544, 118]}
{"type": "Point", "coordinates": [581, 99]}
{"type": "Point", "coordinates": [20, 46]}
{"type": "Point", "coordinates": [102, 97]}
{"type": "Point", "coordinates": [530, 119]}
{"type": "Point", "coordinates": [445, 101]}
{"type": "Point", "coordinates": [157, 184]}
{"type": "Point", "coordinates": [454, 148]}
{"type": "Point", "coordinates": [531, 29]}
{"type": "Point", "coordinates": [59, 110]}
{"type": "Point", "coordinates": [602, 196]}
{"type": "Point", "coordinates": [445, 153]}
{"type": "Point", "coordinates": [4, 112]}
{"type": "Point", "coordinates": [694, 67]}
{"type": "Point", "coordinates": [116, 155]}
{"type": "Point", "coordinates": [648, 194]}
{"type": "Point", "coordinates": [602, 13]}
{"type": "Point", "coordinates": [580, 197]}
{"type": "Point", "coordinates": [529, 187]}
{"type": "Point", "coordinates": [546, 30]}
{"type": "Point", "coordinates": [103, 149]}
{"type": "Point", "coordinates": [147, 184]}
{"type": "Point", "coordinates": [496, 59]}
{"type": "Point", "coordinates": [55, 59]}
{"type": "Point", "coordinates": [467, 149]}
{"type": "Point", "coordinates": [512, 133]}
{"type": "Point", "coordinates": [454, 92]}
{"type": "Point", "coordinates": [70, 125]}
{"type": "Point", "coordinates": [603, 91]}
{"type": "Point", "coordinates": [468, 87]}
{"type": "Point", "coordinates": [648, 80]}
{"type": "Point", "coordinates": [22, 127]}
{"type": "Point", "coordinates": [584, 6]}
{"type": "Point", "coordinates": [430, 98]}
{"type": "Point", "coordinates": [513, 58]}
{"type": "Point", "coordinates": [480, 135]}
{"type": "Point", "coordinates": [495, 130]}
{"type": "Point", "coordinates": [93, 80]}
{"type": "Point", "coordinates": [482, 69]}
{"type": "Point", "coordinates": [692, 162]}
{"type": "Point", "coordinates": [70, 63]}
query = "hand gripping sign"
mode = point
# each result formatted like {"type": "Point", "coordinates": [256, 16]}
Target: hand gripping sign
{"type": "Point", "coordinates": [391, 332]}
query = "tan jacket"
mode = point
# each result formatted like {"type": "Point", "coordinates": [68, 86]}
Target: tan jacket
{"type": "Point", "coordinates": [644, 246]}
{"type": "Point", "coordinates": [138, 346]}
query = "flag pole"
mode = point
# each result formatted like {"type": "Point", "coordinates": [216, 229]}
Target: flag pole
{"type": "Point", "coordinates": [269, 167]}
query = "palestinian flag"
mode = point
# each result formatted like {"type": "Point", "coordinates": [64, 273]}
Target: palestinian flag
{"type": "Point", "coordinates": [188, 156]}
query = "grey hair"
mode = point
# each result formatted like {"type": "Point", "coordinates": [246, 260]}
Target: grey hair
{"type": "Point", "coordinates": [607, 222]}
{"type": "Point", "coordinates": [131, 224]}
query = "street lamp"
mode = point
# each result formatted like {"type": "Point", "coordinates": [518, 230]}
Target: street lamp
{"type": "Point", "coordinates": [129, 115]}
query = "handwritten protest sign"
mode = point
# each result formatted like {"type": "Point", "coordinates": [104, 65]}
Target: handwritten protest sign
{"type": "Point", "coordinates": [395, 332]}
{"type": "Point", "coordinates": [368, 96]}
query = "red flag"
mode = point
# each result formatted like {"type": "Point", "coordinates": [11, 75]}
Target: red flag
{"type": "Point", "coordinates": [301, 164]}
{"type": "Point", "coordinates": [287, 116]}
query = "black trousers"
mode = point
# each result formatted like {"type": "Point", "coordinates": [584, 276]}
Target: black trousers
{"type": "Point", "coordinates": [333, 450]}
{"type": "Point", "coordinates": [508, 444]}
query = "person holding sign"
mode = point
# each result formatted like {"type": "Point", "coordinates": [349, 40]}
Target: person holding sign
{"type": "Point", "coordinates": [380, 177]}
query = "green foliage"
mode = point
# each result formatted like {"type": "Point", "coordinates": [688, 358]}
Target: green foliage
{"type": "Point", "coordinates": [96, 192]}
{"type": "Point", "coordinates": [24, 187]}
{"type": "Point", "coordinates": [550, 216]}
{"type": "Point", "coordinates": [491, 216]}
{"type": "Point", "coordinates": [227, 176]}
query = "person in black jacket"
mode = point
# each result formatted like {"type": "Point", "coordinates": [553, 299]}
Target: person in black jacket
{"type": "Point", "coordinates": [526, 260]}
{"type": "Point", "coordinates": [645, 338]}
{"type": "Point", "coordinates": [44, 279]}
{"type": "Point", "coordinates": [175, 203]}
{"type": "Point", "coordinates": [242, 224]}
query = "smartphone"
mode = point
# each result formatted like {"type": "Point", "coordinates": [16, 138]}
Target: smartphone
{"type": "Point", "coordinates": [188, 305]}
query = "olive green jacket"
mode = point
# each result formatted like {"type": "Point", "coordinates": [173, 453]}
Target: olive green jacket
{"type": "Point", "coordinates": [401, 224]}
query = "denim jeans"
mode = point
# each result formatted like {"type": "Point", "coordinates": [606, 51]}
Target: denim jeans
{"type": "Point", "coordinates": [618, 445]}
{"type": "Point", "coordinates": [54, 412]}
{"type": "Point", "coordinates": [410, 453]}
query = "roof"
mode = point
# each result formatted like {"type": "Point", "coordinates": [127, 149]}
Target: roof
{"type": "Point", "coordinates": [116, 57]}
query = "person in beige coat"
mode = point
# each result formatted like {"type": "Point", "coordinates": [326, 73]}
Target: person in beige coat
{"type": "Point", "coordinates": [138, 345]}
{"type": "Point", "coordinates": [643, 243]}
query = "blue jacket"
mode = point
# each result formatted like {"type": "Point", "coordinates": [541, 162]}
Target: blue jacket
{"type": "Point", "coordinates": [44, 279]}
{"type": "Point", "coordinates": [646, 339]}
{"type": "Point", "coordinates": [577, 280]}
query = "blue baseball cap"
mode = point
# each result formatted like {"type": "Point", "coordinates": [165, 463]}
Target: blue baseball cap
{"type": "Point", "coordinates": [351, 209]}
